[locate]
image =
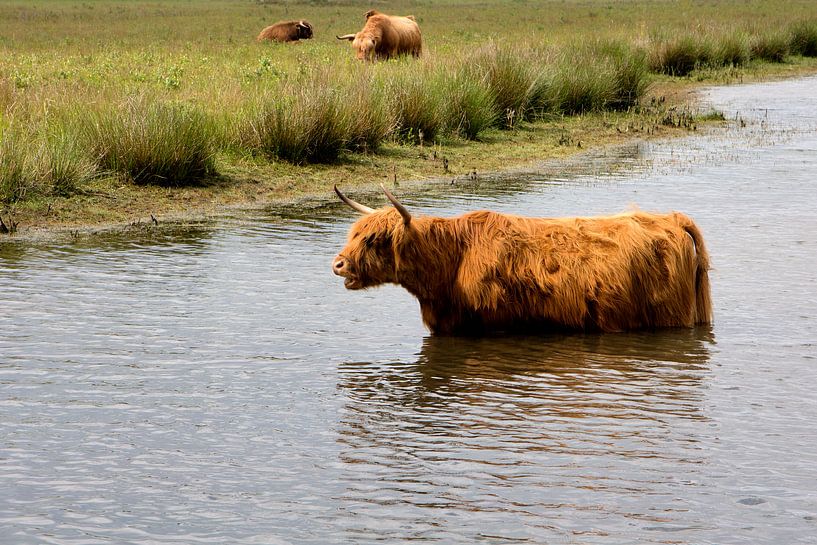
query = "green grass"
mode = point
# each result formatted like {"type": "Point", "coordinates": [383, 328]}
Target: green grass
{"type": "Point", "coordinates": [511, 75]}
{"type": "Point", "coordinates": [770, 46]}
{"type": "Point", "coordinates": [171, 93]}
{"type": "Point", "coordinates": [804, 38]}
{"type": "Point", "coordinates": [471, 106]}
{"type": "Point", "coordinates": [150, 142]}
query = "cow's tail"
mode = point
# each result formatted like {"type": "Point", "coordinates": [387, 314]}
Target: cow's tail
{"type": "Point", "coordinates": [703, 298]}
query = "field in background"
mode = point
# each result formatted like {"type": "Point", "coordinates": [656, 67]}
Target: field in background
{"type": "Point", "coordinates": [112, 110]}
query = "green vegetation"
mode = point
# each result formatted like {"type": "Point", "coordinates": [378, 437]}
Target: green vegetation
{"type": "Point", "coordinates": [116, 98]}
{"type": "Point", "coordinates": [149, 142]}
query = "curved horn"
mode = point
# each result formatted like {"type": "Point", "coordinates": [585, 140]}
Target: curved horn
{"type": "Point", "coordinates": [356, 205]}
{"type": "Point", "coordinates": [400, 208]}
{"type": "Point", "coordinates": [349, 37]}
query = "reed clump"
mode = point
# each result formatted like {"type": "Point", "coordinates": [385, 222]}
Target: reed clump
{"type": "Point", "coordinates": [511, 76]}
{"type": "Point", "coordinates": [371, 120]}
{"type": "Point", "coordinates": [731, 49]}
{"type": "Point", "coordinates": [313, 119]}
{"type": "Point", "coordinates": [152, 142]}
{"type": "Point", "coordinates": [34, 166]}
{"type": "Point", "coordinates": [803, 39]}
{"type": "Point", "coordinates": [770, 46]}
{"type": "Point", "coordinates": [418, 103]}
{"type": "Point", "coordinates": [15, 181]}
{"type": "Point", "coordinates": [680, 55]}
{"type": "Point", "coordinates": [472, 109]}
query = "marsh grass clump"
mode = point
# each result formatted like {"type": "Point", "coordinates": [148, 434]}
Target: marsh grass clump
{"type": "Point", "coordinates": [803, 39]}
{"type": "Point", "coordinates": [680, 56]}
{"type": "Point", "coordinates": [471, 106]}
{"type": "Point", "coordinates": [16, 181]}
{"type": "Point", "coordinates": [580, 84]}
{"type": "Point", "coordinates": [731, 49]}
{"type": "Point", "coordinates": [418, 101]}
{"type": "Point", "coordinates": [301, 122]}
{"type": "Point", "coordinates": [150, 142]}
{"type": "Point", "coordinates": [370, 119]}
{"type": "Point", "coordinates": [630, 74]}
{"type": "Point", "coordinates": [770, 46]}
{"type": "Point", "coordinates": [61, 166]}
{"type": "Point", "coordinates": [34, 165]}
{"type": "Point", "coordinates": [511, 78]}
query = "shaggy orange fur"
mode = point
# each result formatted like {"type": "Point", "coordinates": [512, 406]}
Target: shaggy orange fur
{"type": "Point", "coordinates": [386, 36]}
{"type": "Point", "coordinates": [485, 271]}
{"type": "Point", "coordinates": [286, 31]}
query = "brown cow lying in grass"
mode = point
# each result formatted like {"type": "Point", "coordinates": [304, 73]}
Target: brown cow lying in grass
{"type": "Point", "coordinates": [484, 271]}
{"type": "Point", "coordinates": [286, 31]}
{"type": "Point", "coordinates": [386, 36]}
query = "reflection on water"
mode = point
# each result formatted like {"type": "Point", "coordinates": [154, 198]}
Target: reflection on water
{"type": "Point", "coordinates": [456, 370]}
{"type": "Point", "coordinates": [481, 428]}
{"type": "Point", "coordinates": [215, 383]}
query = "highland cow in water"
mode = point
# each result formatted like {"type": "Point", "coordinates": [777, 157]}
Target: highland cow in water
{"type": "Point", "coordinates": [485, 271]}
{"type": "Point", "coordinates": [386, 36]}
{"type": "Point", "coordinates": [286, 31]}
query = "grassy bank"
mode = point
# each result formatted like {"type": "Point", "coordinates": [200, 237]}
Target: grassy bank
{"type": "Point", "coordinates": [111, 111]}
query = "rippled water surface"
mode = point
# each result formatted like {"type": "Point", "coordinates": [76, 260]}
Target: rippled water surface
{"type": "Point", "coordinates": [217, 384]}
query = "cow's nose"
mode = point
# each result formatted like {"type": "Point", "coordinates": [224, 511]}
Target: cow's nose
{"type": "Point", "coordinates": [339, 265]}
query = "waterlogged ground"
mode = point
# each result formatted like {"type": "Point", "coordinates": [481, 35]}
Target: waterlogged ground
{"type": "Point", "coordinates": [216, 384]}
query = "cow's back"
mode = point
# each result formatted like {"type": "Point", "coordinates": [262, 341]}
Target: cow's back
{"type": "Point", "coordinates": [282, 31]}
{"type": "Point", "coordinates": [399, 35]}
{"type": "Point", "coordinates": [610, 273]}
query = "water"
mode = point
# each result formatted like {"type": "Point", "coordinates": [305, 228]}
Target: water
{"type": "Point", "coordinates": [216, 383]}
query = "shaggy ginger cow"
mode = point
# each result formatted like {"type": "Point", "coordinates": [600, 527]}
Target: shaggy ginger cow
{"type": "Point", "coordinates": [386, 36]}
{"type": "Point", "coordinates": [484, 271]}
{"type": "Point", "coordinates": [286, 31]}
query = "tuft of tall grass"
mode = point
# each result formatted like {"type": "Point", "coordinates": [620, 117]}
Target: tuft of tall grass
{"type": "Point", "coordinates": [15, 179]}
{"type": "Point", "coordinates": [770, 46]}
{"type": "Point", "coordinates": [370, 120]}
{"type": "Point", "coordinates": [418, 101]}
{"type": "Point", "coordinates": [471, 106]}
{"type": "Point", "coordinates": [512, 79]}
{"type": "Point", "coordinates": [803, 38]}
{"type": "Point", "coordinates": [630, 74]}
{"type": "Point", "coordinates": [61, 166]}
{"type": "Point", "coordinates": [679, 56]}
{"type": "Point", "coordinates": [580, 83]}
{"type": "Point", "coordinates": [301, 122]}
{"type": "Point", "coordinates": [33, 165]}
{"type": "Point", "coordinates": [731, 49]}
{"type": "Point", "coordinates": [168, 144]}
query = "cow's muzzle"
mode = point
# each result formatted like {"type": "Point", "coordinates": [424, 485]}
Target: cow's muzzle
{"type": "Point", "coordinates": [342, 267]}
